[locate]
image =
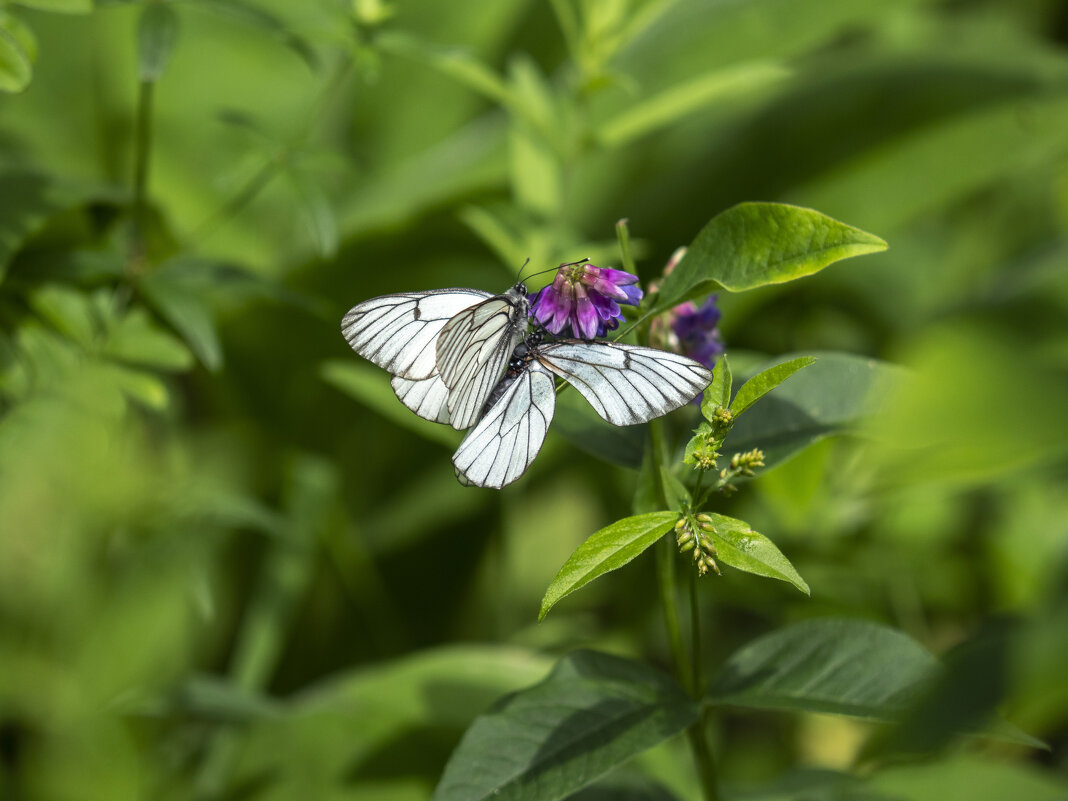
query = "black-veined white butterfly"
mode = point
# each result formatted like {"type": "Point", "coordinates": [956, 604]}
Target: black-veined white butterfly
{"type": "Point", "coordinates": [625, 384]}
{"type": "Point", "coordinates": [446, 348]}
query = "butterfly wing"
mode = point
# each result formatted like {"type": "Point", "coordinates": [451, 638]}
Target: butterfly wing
{"type": "Point", "coordinates": [626, 384]}
{"type": "Point", "coordinates": [399, 332]}
{"type": "Point", "coordinates": [500, 448]}
{"type": "Point", "coordinates": [427, 397]}
{"type": "Point", "coordinates": [473, 350]}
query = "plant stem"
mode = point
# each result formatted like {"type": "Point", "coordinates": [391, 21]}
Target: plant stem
{"type": "Point", "coordinates": [665, 575]}
{"type": "Point", "coordinates": [142, 155]}
{"type": "Point", "coordinates": [697, 734]}
{"type": "Point", "coordinates": [697, 689]}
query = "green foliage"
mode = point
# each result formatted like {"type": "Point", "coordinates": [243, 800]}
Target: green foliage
{"type": "Point", "coordinates": [755, 244]}
{"type": "Point", "coordinates": [610, 708]}
{"type": "Point", "coordinates": [604, 551]}
{"type": "Point", "coordinates": [221, 577]}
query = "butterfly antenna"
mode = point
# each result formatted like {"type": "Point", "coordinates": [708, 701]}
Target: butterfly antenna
{"type": "Point", "coordinates": [553, 269]}
{"type": "Point", "coordinates": [519, 277]}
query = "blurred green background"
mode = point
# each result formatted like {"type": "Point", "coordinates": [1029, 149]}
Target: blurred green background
{"type": "Point", "coordinates": [232, 566]}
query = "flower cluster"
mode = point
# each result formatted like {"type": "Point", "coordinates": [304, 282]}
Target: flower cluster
{"type": "Point", "coordinates": [585, 299]}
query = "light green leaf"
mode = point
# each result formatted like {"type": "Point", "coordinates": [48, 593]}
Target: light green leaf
{"type": "Point", "coordinates": [830, 397]}
{"type": "Point", "coordinates": [460, 65]}
{"type": "Point", "coordinates": [682, 99]}
{"type": "Point", "coordinates": [755, 244]}
{"type": "Point", "coordinates": [764, 382]}
{"type": "Point", "coordinates": [266, 21]}
{"type": "Point", "coordinates": [157, 31]}
{"type": "Point", "coordinates": [678, 497]}
{"type": "Point", "coordinates": [844, 667]}
{"type": "Point", "coordinates": [606, 550]}
{"type": "Point", "coordinates": [719, 391]}
{"type": "Point", "coordinates": [68, 312]}
{"type": "Point", "coordinates": [15, 66]}
{"type": "Point", "coordinates": [370, 386]}
{"type": "Point", "coordinates": [740, 547]}
{"type": "Point", "coordinates": [593, 713]}
{"type": "Point", "coordinates": [138, 340]}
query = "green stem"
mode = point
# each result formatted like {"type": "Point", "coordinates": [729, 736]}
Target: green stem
{"type": "Point", "coordinates": [142, 145]}
{"type": "Point", "coordinates": [698, 732]}
{"type": "Point", "coordinates": [665, 575]}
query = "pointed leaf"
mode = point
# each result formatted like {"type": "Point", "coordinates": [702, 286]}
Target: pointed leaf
{"type": "Point", "coordinates": [755, 244]}
{"type": "Point", "coordinates": [590, 715]}
{"type": "Point", "coordinates": [742, 548]}
{"type": "Point", "coordinates": [604, 551]}
{"type": "Point", "coordinates": [762, 383]}
{"type": "Point", "coordinates": [719, 391]}
{"type": "Point", "coordinates": [157, 31]}
{"type": "Point", "coordinates": [15, 68]}
{"type": "Point", "coordinates": [844, 667]}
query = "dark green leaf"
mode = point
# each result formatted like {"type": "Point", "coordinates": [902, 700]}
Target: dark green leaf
{"type": "Point", "coordinates": [845, 667]}
{"type": "Point", "coordinates": [764, 382]}
{"type": "Point", "coordinates": [755, 244]}
{"type": "Point", "coordinates": [604, 551]}
{"type": "Point", "coordinates": [592, 714]}
{"type": "Point", "coordinates": [157, 31]}
{"type": "Point", "coordinates": [177, 301]}
{"type": "Point", "coordinates": [587, 430]}
{"type": "Point", "coordinates": [719, 391]}
{"type": "Point", "coordinates": [370, 386]}
{"type": "Point", "coordinates": [678, 497]}
{"type": "Point", "coordinates": [742, 548]}
{"type": "Point", "coordinates": [828, 398]}
{"type": "Point", "coordinates": [624, 788]}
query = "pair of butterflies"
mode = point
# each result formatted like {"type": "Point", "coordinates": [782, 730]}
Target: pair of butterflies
{"type": "Point", "coordinates": [463, 357]}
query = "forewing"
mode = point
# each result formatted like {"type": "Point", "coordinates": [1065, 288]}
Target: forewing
{"type": "Point", "coordinates": [428, 397]}
{"type": "Point", "coordinates": [398, 332]}
{"type": "Point", "coordinates": [501, 447]}
{"type": "Point", "coordinates": [472, 354]}
{"type": "Point", "coordinates": [626, 384]}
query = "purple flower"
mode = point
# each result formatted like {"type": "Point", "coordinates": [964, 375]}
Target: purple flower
{"type": "Point", "coordinates": [586, 299]}
{"type": "Point", "coordinates": [689, 329]}
{"type": "Point", "coordinates": [696, 332]}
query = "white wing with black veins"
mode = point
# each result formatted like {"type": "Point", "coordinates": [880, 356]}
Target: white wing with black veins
{"type": "Point", "coordinates": [626, 384]}
{"type": "Point", "coordinates": [501, 447]}
{"type": "Point", "coordinates": [399, 332]}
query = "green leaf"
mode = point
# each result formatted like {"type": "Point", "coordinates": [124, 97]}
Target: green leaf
{"type": "Point", "coordinates": [838, 391]}
{"type": "Point", "coordinates": [28, 200]}
{"type": "Point", "coordinates": [844, 667]}
{"type": "Point", "coordinates": [764, 382]}
{"type": "Point", "coordinates": [138, 340]}
{"type": "Point", "coordinates": [604, 551]}
{"type": "Point", "coordinates": [370, 386]}
{"type": "Point", "coordinates": [740, 547]}
{"type": "Point", "coordinates": [755, 244]}
{"type": "Point", "coordinates": [719, 391]}
{"type": "Point", "coordinates": [176, 301]}
{"type": "Point", "coordinates": [678, 497]}
{"type": "Point", "coordinates": [267, 22]}
{"type": "Point", "coordinates": [684, 98]}
{"type": "Point", "coordinates": [576, 420]}
{"type": "Point", "coordinates": [15, 65]}
{"type": "Point", "coordinates": [590, 715]}
{"type": "Point", "coordinates": [157, 31]}
{"type": "Point", "coordinates": [69, 312]}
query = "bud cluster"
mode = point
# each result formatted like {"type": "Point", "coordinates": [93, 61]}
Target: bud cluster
{"type": "Point", "coordinates": [741, 464]}
{"type": "Point", "coordinates": [693, 535]}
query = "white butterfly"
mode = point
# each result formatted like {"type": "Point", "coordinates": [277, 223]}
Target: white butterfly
{"type": "Point", "coordinates": [625, 384]}
{"type": "Point", "coordinates": [446, 348]}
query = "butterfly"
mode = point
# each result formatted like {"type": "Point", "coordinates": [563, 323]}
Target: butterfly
{"type": "Point", "coordinates": [446, 348]}
{"type": "Point", "coordinates": [625, 384]}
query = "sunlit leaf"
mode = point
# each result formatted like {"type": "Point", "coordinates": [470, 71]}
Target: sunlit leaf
{"type": "Point", "coordinates": [606, 550]}
{"type": "Point", "coordinates": [16, 68]}
{"type": "Point", "coordinates": [593, 713]}
{"type": "Point", "coordinates": [764, 382]}
{"type": "Point", "coordinates": [755, 244]}
{"type": "Point", "coordinates": [719, 391]}
{"type": "Point", "coordinates": [742, 548]}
